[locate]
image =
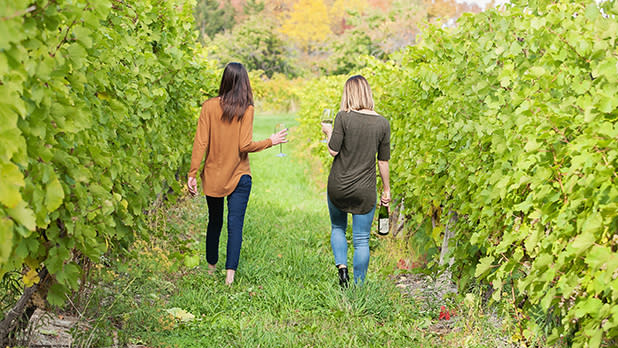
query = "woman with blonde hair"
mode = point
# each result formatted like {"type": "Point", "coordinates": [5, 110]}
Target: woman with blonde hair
{"type": "Point", "coordinates": [224, 138]}
{"type": "Point", "coordinates": [358, 136]}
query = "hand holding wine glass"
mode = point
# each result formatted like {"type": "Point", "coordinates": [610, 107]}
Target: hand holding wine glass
{"type": "Point", "coordinates": [279, 136]}
{"type": "Point", "coordinates": [327, 124]}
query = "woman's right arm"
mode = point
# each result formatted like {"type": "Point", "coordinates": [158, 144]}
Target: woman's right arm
{"type": "Point", "coordinates": [246, 135]}
{"type": "Point", "coordinates": [328, 131]}
{"type": "Point", "coordinates": [334, 135]}
{"type": "Point", "coordinates": [200, 143]}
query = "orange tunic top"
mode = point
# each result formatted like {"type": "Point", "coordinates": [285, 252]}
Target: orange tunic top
{"type": "Point", "coordinates": [226, 147]}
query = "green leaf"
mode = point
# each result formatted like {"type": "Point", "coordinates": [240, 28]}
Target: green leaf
{"type": "Point", "coordinates": [24, 215]}
{"type": "Point", "coordinates": [542, 261]}
{"type": "Point", "coordinates": [9, 32]}
{"type": "Point", "coordinates": [436, 233]}
{"type": "Point", "coordinates": [11, 180]}
{"type": "Point", "coordinates": [582, 242]}
{"type": "Point", "coordinates": [607, 103]}
{"type": "Point", "coordinates": [102, 9]}
{"type": "Point", "coordinates": [587, 306]}
{"type": "Point", "coordinates": [56, 258]}
{"type": "Point", "coordinates": [21, 249]}
{"type": "Point", "coordinates": [592, 11]}
{"type": "Point", "coordinates": [68, 275]}
{"type": "Point", "coordinates": [548, 298]}
{"type": "Point", "coordinates": [191, 261]}
{"type": "Point", "coordinates": [537, 71]}
{"type": "Point", "coordinates": [531, 145]}
{"type": "Point", "coordinates": [597, 256]}
{"type": "Point", "coordinates": [483, 266]}
{"type": "Point", "coordinates": [608, 69]}
{"type": "Point", "coordinates": [11, 143]}
{"type": "Point", "coordinates": [77, 120]}
{"type": "Point", "coordinates": [6, 236]}
{"type": "Point", "coordinates": [595, 339]}
{"type": "Point", "coordinates": [593, 224]}
{"type": "Point", "coordinates": [54, 194]}
{"type": "Point", "coordinates": [56, 294]}
{"type": "Point", "coordinates": [77, 54]}
{"type": "Point", "coordinates": [45, 67]}
{"type": "Point", "coordinates": [83, 35]}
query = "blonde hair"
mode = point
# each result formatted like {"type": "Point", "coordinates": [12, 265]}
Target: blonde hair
{"type": "Point", "coordinates": [356, 94]}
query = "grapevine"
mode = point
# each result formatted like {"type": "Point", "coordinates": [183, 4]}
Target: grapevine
{"type": "Point", "coordinates": [510, 120]}
{"type": "Point", "coordinates": [99, 100]}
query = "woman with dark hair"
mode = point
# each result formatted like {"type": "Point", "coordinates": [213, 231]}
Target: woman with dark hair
{"type": "Point", "coordinates": [358, 137]}
{"type": "Point", "coordinates": [224, 138]}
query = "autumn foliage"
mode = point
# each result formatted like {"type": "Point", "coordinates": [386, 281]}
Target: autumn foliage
{"type": "Point", "coordinates": [318, 36]}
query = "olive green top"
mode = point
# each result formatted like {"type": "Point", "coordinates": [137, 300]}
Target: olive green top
{"type": "Point", "coordinates": [358, 138]}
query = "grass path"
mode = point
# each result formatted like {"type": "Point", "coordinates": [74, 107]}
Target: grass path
{"type": "Point", "coordinates": [286, 292]}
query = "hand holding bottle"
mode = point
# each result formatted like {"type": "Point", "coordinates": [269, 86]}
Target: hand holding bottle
{"type": "Point", "coordinates": [385, 199]}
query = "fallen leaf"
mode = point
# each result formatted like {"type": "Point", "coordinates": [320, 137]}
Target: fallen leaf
{"type": "Point", "coordinates": [444, 314]}
{"type": "Point", "coordinates": [180, 314]}
{"type": "Point", "coordinates": [402, 264]}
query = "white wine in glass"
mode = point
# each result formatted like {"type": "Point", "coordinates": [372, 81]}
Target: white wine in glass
{"type": "Point", "coordinates": [326, 119]}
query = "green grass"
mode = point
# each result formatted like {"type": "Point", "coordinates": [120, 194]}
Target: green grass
{"type": "Point", "coordinates": [286, 292]}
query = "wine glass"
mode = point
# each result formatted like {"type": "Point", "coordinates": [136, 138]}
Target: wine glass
{"type": "Point", "coordinates": [278, 128]}
{"type": "Point", "coordinates": [326, 119]}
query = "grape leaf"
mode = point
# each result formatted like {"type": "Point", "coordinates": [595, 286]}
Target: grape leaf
{"type": "Point", "coordinates": [54, 194]}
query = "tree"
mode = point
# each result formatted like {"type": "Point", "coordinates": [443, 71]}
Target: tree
{"type": "Point", "coordinates": [344, 53]}
{"type": "Point", "coordinates": [380, 32]}
{"type": "Point", "coordinates": [211, 17]}
{"type": "Point", "coordinates": [342, 9]}
{"type": "Point", "coordinates": [253, 7]}
{"type": "Point", "coordinates": [441, 8]}
{"type": "Point", "coordinates": [308, 24]}
{"type": "Point", "coordinates": [257, 45]}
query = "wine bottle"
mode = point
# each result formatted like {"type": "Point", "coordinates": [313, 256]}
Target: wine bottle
{"type": "Point", "coordinates": [383, 227]}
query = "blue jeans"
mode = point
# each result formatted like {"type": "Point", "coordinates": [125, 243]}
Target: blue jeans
{"type": "Point", "coordinates": [236, 207]}
{"type": "Point", "coordinates": [361, 227]}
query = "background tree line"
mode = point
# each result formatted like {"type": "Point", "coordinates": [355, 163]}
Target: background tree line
{"type": "Point", "coordinates": [303, 37]}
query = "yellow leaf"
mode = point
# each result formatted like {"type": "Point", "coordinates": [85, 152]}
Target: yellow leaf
{"type": "Point", "coordinates": [180, 314]}
{"type": "Point", "coordinates": [31, 278]}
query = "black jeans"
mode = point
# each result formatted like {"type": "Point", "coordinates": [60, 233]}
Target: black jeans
{"type": "Point", "coordinates": [236, 207]}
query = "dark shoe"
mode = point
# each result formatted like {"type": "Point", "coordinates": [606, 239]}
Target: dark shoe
{"type": "Point", "coordinates": [343, 277]}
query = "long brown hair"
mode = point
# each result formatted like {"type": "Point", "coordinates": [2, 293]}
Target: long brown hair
{"type": "Point", "coordinates": [235, 92]}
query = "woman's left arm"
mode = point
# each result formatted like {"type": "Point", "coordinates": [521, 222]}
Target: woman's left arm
{"type": "Point", "coordinates": [200, 143]}
{"type": "Point", "coordinates": [386, 187]}
{"type": "Point", "coordinates": [384, 155]}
